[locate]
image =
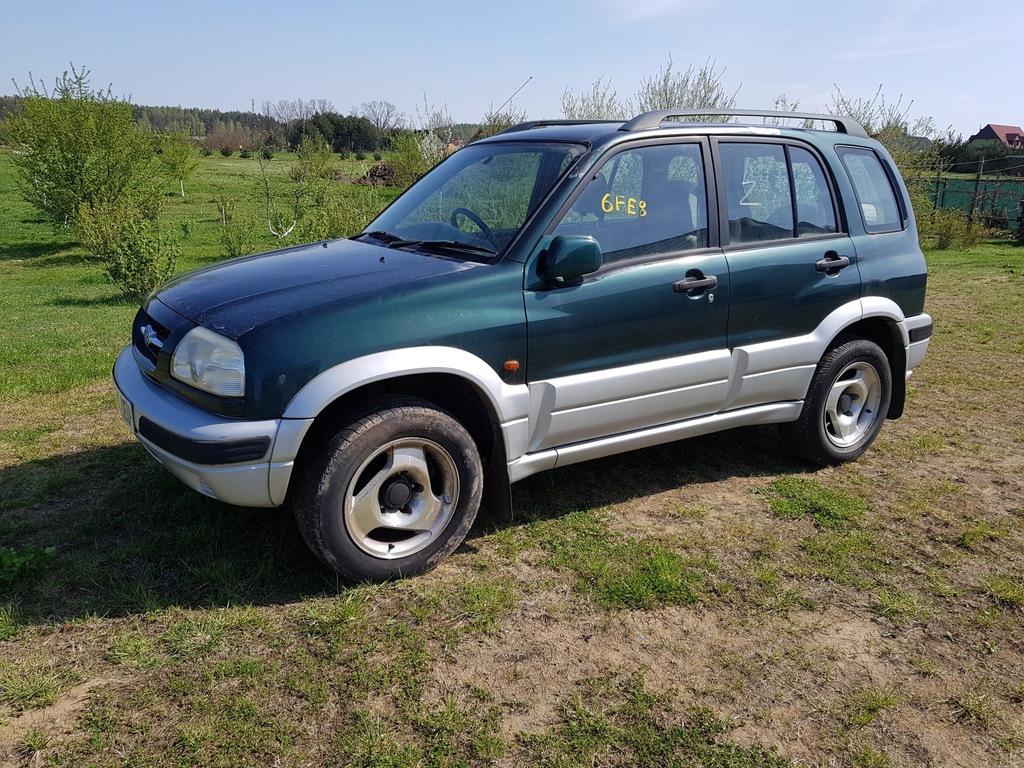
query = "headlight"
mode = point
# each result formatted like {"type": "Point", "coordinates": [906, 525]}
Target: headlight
{"type": "Point", "coordinates": [208, 361]}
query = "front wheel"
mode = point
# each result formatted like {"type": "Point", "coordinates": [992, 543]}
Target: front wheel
{"type": "Point", "coordinates": [846, 404]}
{"type": "Point", "coordinates": [391, 494]}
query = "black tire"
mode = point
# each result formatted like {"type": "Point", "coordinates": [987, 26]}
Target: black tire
{"type": "Point", "coordinates": [392, 494]}
{"type": "Point", "coordinates": [846, 404]}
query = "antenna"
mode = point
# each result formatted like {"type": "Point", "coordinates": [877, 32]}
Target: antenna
{"type": "Point", "coordinates": [509, 99]}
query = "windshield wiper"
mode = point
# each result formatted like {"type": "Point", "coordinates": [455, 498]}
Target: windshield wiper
{"type": "Point", "coordinates": [444, 245]}
{"type": "Point", "coordinates": [379, 234]}
{"type": "Point", "coordinates": [394, 241]}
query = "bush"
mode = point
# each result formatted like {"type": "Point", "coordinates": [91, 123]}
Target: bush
{"type": "Point", "coordinates": [137, 255]}
{"type": "Point", "coordinates": [245, 154]}
{"type": "Point", "coordinates": [407, 160]}
{"type": "Point", "coordinates": [205, 151]}
{"type": "Point", "coordinates": [950, 229]}
{"type": "Point", "coordinates": [344, 213]}
{"type": "Point", "coordinates": [267, 153]}
{"type": "Point", "coordinates": [377, 156]}
{"type": "Point", "coordinates": [227, 151]}
{"type": "Point", "coordinates": [360, 154]}
{"type": "Point", "coordinates": [143, 259]}
{"type": "Point", "coordinates": [238, 233]}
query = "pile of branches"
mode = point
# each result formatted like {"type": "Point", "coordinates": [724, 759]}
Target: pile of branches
{"type": "Point", "coordinates": [380, 175]}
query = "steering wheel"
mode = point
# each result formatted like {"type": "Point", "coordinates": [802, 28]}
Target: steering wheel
{"type": "Point", "coordinates": [484, 229]}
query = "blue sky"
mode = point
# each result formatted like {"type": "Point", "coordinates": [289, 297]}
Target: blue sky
{"type": "Point", "coordinates": [948, 61]}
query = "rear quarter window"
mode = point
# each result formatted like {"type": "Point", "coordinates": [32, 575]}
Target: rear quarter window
{"type": "Point", "coordinates": [876, 198]}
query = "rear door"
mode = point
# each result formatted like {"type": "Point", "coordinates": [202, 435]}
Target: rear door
{"type": "Point", "coordinates": [791, 263]}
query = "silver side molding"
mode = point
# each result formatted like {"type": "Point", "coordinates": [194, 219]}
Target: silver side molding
{"type": "Point", "coordinates": [532, 463]}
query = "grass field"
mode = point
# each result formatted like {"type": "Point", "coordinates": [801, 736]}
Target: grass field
{"type": "Point", "coordinates": [708, 603]}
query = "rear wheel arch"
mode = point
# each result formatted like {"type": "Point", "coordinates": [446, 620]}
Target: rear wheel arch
{"type": "Point", "coordinates": [846, 405]}
{"type": "Point", "coordinates": [884, 332]}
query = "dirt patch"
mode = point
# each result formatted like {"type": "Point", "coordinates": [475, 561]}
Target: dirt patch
{"type": "Point", "coordinates": [56, 721]}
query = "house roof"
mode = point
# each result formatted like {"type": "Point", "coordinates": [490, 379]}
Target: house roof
{"type": "Point", "coordinates": [1010, 135]}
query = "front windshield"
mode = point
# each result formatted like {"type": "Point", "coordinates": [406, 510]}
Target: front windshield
{"type": "Point", "coordinates": [477, 198]}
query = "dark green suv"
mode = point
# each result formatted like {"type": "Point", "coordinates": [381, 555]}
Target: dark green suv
{"type": "Point", "coordinates": [561, 291]}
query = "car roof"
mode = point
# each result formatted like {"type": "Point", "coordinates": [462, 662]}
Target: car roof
{"type": "Point", "coordinates": [677, 119]}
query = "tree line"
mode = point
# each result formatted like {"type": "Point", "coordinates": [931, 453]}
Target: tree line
{"type": "Point", "coordinates": [281, 126]}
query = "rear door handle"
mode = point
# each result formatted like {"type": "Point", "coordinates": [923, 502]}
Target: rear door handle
{"type": "Point", "coordinates": [693, 285]}
{"type": "Point", "coordinates": [831, 263]}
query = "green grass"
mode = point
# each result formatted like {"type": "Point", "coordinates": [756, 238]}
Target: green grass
{"type": "Point", "coordinates": [622, 573]}
{"type": "Point", "coordinates": [713, 602]}
{"type": "Point", "coordinates": [796, 497]}
{"type": "Point", "coordinates": [615, 720]}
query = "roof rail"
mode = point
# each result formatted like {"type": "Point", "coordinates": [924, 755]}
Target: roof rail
{"type": "Point", "coordinates": [649, 120]}
{"type": "Point", "coordinates": [541, 123]}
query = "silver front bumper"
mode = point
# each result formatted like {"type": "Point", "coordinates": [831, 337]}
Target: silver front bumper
{"type": "Point", "coordinates": [257, 482]}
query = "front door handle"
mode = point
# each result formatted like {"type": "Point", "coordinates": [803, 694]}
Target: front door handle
{"type": "Point", "coordinates": [691, 286]}
{"type": "Point", "coordinates": [831, 263]}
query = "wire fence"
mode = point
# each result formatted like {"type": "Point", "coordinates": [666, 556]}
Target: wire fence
{"type": "Point", "coordinates": [996, 202]}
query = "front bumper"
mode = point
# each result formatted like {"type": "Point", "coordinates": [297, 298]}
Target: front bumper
{"type": "Point", "coordinates": [237, 461]}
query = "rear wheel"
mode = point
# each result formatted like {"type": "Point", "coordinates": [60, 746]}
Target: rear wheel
{"type": "Point", "coordinates": [391, 494]}
{"type": "Point", "coordinates": [846, 404]}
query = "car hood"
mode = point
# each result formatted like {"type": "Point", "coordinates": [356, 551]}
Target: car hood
{"type": "Point", "coordinates": [233, 297]}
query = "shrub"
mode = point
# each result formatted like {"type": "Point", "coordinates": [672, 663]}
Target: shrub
{"type": "Point", "coordinates": [360, 154]}
{"type": "Point", "coordinates": [137, 255]}
{"type": "Point", "coordinates": [377, 156]}
{"type": "Point", "coordinates": [237, 232]}
{"type": "Point", "coordinates": [227, 151]}
{"type": "Point", "coordinates": [950, 229]}
{"type": "Point", "coordinates": [408, 161]}
{"type": "Point", "coordinates": [143, 259]}
{"type": "Point", "coordinates": [245, 154]}
{"type": "Point", "coordinates": [344, 213]}
{"type": "Point", "coordinates": [205, 151]}
{"type": "Point", "coordinates": [267, 153]}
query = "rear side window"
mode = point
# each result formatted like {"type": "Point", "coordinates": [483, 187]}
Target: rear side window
{"type": "Point", "coordinates": [775, 192]}
{"type": "Point", "coordinates": [757, 192]}
{"type": "Point", "coordinates": [815, 212]}
{"type": "Point", "coordinates": [875, 196]}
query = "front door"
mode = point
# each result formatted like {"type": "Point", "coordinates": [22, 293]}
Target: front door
{"type": "Point", "coordinates": [641, 342]}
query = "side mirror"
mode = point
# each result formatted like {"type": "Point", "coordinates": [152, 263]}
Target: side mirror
{"type": "Point", "coordinates": [572, 256]}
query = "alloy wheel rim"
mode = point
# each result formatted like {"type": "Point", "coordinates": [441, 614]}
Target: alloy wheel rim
{"type": "Point", "coordinates": [401, 497]}
{"type": "Point", "coordinates": [852, 405]}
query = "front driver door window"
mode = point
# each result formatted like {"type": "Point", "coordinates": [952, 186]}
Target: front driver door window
{"type": "Point", "coordinates": [645, 202]}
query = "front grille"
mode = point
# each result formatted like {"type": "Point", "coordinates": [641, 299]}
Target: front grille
{"type": "Point", "coordinates": [149, 336]}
